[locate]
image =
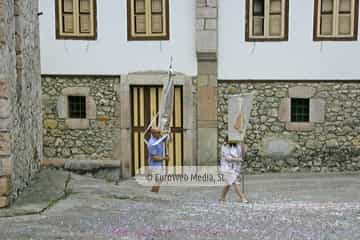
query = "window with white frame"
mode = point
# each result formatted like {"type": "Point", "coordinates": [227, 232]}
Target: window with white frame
{"type": "Point", "coordinates": [76, 19]}
{"type": "Point", "coordinates": [267, 20]}
{"type": "Point", "coordinates": [148, 19]}
{"type": "Point", "coordinates": [336, 19]}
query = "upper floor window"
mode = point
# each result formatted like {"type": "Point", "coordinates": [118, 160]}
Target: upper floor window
{"type": "Point", "coordinates": [267, 20]}
{"type": "Point", "coordinates": [76, 19]}
{"type": "Point", "coordinates": [335, 20]}
{"type": "Point", "coordinates": [148, 19]}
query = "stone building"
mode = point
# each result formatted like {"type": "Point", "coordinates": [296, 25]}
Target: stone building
{"type": "Point", "coordinates": [20, 97]}
{"type": "Point", "coordinates": [103, 64]}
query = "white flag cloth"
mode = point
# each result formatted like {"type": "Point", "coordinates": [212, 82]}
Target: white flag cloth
{"type": "Point", "coordinates": [239, 109]}
{"type": "Point", "coordinates": [166, 105]}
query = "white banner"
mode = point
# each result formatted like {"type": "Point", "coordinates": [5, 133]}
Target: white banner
{"type": "Point", "coordinates": [239, 109]}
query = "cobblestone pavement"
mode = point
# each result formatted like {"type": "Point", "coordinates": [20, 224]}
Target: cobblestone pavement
{"type": "Point", "coordinates": [282, 207]}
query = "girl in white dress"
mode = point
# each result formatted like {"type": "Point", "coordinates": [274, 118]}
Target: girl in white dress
{"type": "Point", "coordinates": [231, 158]}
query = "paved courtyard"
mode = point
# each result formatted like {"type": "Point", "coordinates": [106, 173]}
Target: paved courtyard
{"type": "Point", "coordinates": [282, 207]}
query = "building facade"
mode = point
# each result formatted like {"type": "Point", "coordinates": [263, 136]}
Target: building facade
{"type": "Point", "coordinates": [301, 59]}
{"type": "Point", "coordinates": [104, 62]}
{"type": "Point", "coordinates": [20, 97]}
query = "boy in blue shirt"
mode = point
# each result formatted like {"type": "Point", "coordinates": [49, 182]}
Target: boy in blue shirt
{"type": "Point", "coordinates": [156, 154]}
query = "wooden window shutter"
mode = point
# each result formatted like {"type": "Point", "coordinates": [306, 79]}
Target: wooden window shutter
{"type": "Point", "coordinates": [68, 26]}
{"type": "Point", "coordinates": [275, 25]}
{"type": "Point", "coordinates": [148, 19]}
{"type": "Point", "coordinates": [275, 20]}
{"type": "Point", "coordinates": [140, 6]}
{"type": "Point", "coordinates": [156, 24]}
{"type": "Point", "coordinates": [327, 6]}
{"type": "Point", "coordinates": [156, 16]}
{"type": "Point", "coordinates": [68, 16]}
{"type": "Point", "coordinates": [76, 19]}
{"type": "Point", "coordinates": [258, 17]}
{"type": "Point", "coordinates": [344, 22]}
{"type": "Point", "coordinates": [85, 21]}
{"type": "Point", "coordinates": [85, 24]}
{"type": "Point", "coordinates": [345, 6]}
{"type": "Point", "coordinates": [140, 24]}
{"type": "Point", "coordinates": [68, 6]}
{"type": "Point", "coordinates": [140, 16]}
{"type": "Point", "coordinates": [267, 20]}
{"type": "Point", "coordinates": [336, 20]}
{"type": "Point", "coordinates": [156, 6]}
{"type": "Point", "coordinates": [326, 24]}
{"type": "Point", "coordinates": [258, 26]}
{"type": "Point", "coordinates": [84, 6]}
{"type": "Point", "coordinates": [275, 6]}
{"type": "Point", "coordinates": [326, 17]}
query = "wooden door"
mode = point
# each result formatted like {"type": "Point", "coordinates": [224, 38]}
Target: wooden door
{"type": "Point", "coordinates": [145, 101]}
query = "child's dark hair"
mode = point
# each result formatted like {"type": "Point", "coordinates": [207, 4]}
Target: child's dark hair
{"type": "Point", "coordinates": [226, 140]}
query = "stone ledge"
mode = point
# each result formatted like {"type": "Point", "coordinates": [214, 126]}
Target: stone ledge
{"type": "Point", "coordinates": [90, 164]}
{"type": "Point", "coordinates": [152, 78]}
{"type": "Point", "coordinates": [206, 12]}
{"type": "Point", "coordinates": [207, 124]}
{"type": "Point", "coordinates": [4, 202]}
{"type": "Point", "coordinates": [6, 164]}
{"type": "Point", "coordinates": [301, 92]}
{"type": "Point", "coordinates": [207, 56]}
{"type": "Point", "coordinates": [5, 144]}
{"type": "Point", "coordinates": [76, 91]}
{"type": "Point", "coordinates": [297, 126]}
{"type": "Point", "coordinates": [77, 123]}
{"type": "Point", "coordinates": [53, 163]}
{"type": "Point", "coordinates": [5, 185]}
{"type": "Point", "coordinates": [4, 108]}
{"type": "Point", "coordinates": [5, 124]}
{"type": "Point", "coordinates": [84, 165]}
{"type": "Point", "coordinates": [4, 89]}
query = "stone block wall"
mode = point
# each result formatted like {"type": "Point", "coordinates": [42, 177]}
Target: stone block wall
{"type": "Point", "coordinates": [206, 25]}
{"type": "Point", "coordinates": [7, 83]}
{"type": "Point", "coordinates": [206, 81]}
{"type": "Point", "coordinates": [20, 91]}
{"type": "Point", "coordinates": [87, 139]}
{"type": "Point", "coordinates": [330, 141]}
{"type": "Point", "coordinates": [206, 113]}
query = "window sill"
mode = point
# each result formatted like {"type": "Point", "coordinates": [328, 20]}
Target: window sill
{"type": "Point", "coordinates": [300, 126]}
{"type": "Point", "coordinates": [278, 39]}
{"type": "Point", "coordinates": [75, 123]}
{"type": "Point", "coordinates": [149, 38]}
{"type": "Point", "coordinates": [345, 39]}
{"type": "Point", "coordinates": [88, 38]}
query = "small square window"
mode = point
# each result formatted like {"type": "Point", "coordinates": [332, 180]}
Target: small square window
{"type": "Point", "coordinates": [300, 109]}
{"type": "Point", "coordinates": [77, 106]}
